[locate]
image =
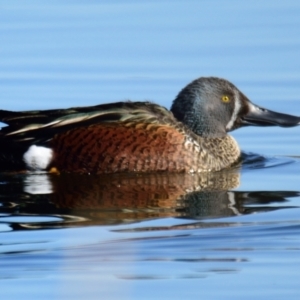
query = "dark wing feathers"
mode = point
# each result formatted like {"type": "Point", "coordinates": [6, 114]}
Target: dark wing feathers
{"type": "Point", "coordinates": [40, 126]}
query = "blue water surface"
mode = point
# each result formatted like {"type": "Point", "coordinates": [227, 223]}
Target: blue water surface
{"type": "Point", "coordinates": [240, 242]}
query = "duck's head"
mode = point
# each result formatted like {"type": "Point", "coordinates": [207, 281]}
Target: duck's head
{"type": "Point", "coordinates": [212, 106]}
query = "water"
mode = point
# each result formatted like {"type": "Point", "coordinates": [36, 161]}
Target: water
{"type": "Point", "coordinates": [228, 235]}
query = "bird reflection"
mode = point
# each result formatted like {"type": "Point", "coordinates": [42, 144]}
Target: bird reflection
{"type": "Point", "coordinates": [82, 200]}
{"type": "Point", "coordinates": [143, 196]}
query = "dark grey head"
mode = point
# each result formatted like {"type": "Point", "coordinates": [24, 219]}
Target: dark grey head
{"type": "Point", "coordinates": [212, 106]}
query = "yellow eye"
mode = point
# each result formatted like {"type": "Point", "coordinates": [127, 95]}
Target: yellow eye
{"type": "Point", "coordinates": [225, 99]}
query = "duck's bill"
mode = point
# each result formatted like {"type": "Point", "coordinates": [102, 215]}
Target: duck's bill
{"type": "Point", "coordinates": [259, 116]}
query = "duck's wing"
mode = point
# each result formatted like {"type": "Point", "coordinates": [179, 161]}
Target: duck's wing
{"type": "Point", "coordinates": [39, 127]}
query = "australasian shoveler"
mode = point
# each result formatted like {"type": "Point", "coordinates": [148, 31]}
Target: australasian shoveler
{"type": "Point", "coordinates": [136, 136]}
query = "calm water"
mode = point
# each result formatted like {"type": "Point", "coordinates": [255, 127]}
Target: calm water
{"type": "Point", "coordinates": [227, 235]}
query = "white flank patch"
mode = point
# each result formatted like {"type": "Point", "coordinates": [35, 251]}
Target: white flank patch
{"type": "Point", "coordinates": [237, 107]}
{"type": "Point", "coordinates": [38, 157]}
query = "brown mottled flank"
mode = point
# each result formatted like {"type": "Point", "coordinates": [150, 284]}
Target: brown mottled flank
{"type": "Point", "coordinates": [140, 147]}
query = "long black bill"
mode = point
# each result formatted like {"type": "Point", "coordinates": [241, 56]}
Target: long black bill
{"type": "Point", "coordinates": [259, 116]}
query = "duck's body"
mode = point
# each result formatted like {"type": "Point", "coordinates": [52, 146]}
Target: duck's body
{"type": "Point", "coordinates": [135, 136]}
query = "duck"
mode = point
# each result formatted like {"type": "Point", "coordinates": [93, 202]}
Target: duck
{"type": "Point", "coordinates": [140, 137]}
